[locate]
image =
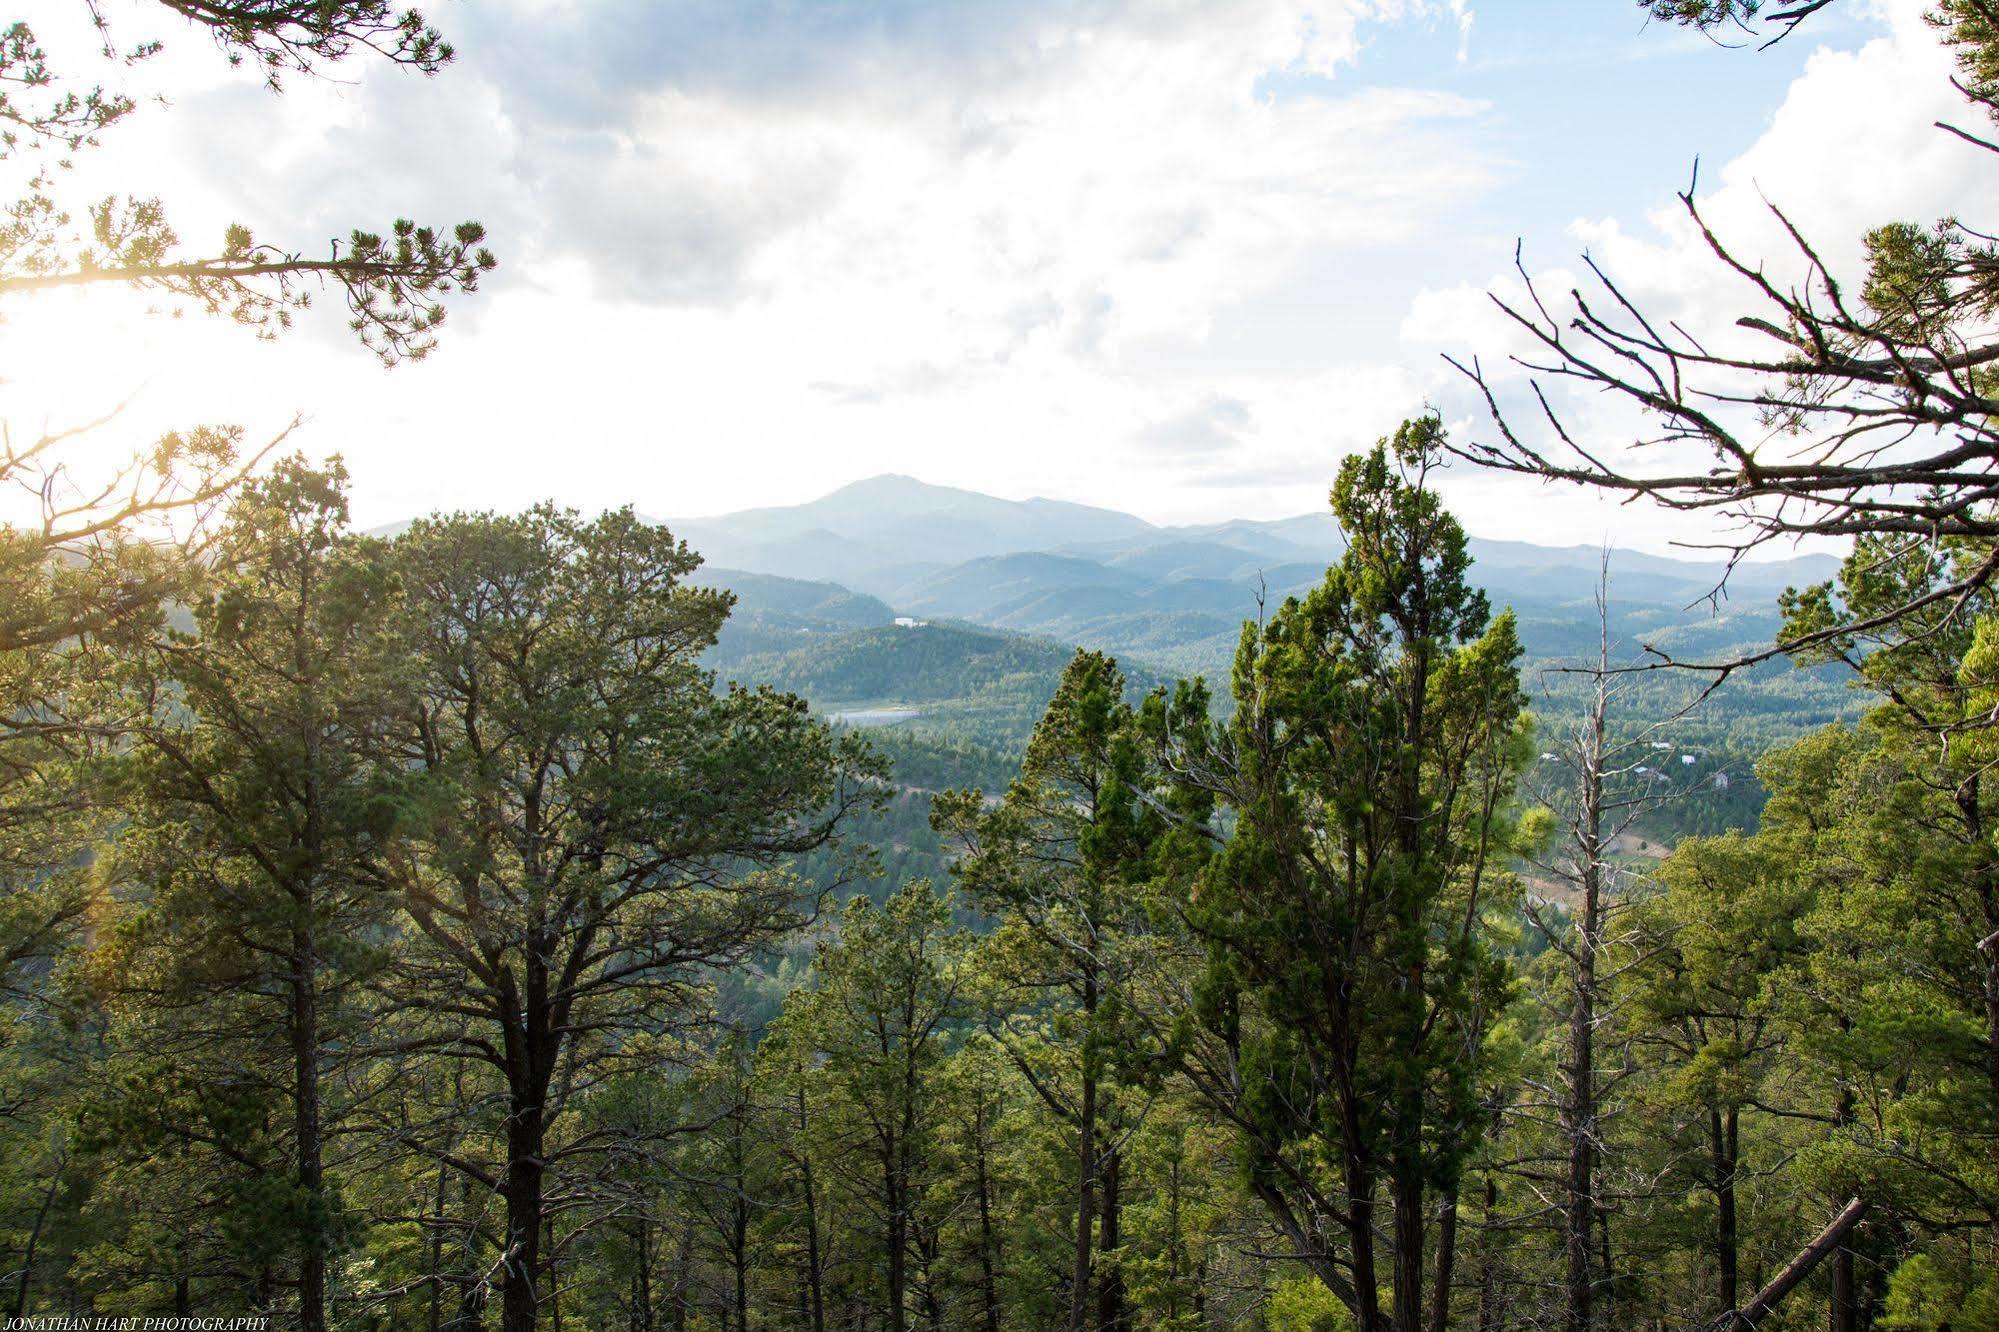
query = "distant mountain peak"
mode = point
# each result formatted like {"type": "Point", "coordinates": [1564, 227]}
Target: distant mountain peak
{"type": "Point", "coordinates": [897, 483]}
{"type": "Point", "coordinates": [864, 530]}
{"type": "Point", "coordinates": [902, 486]}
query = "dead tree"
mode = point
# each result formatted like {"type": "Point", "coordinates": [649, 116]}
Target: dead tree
{"type": "Point", "coordinates": [1601, 789]}
{"type": "Point", "coordinates": [1832, 1238]}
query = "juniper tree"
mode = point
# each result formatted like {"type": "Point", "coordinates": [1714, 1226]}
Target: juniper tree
{"type": "Point", "coordinates": [1365, 773]}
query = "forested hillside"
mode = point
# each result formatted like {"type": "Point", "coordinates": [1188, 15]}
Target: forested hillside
{"type": "Point", "coordinates": [806, 1027]}
{"type": "Point", "coordinates": [1172, 602]}
{"type": "Point", "coordinates": [1171, 606]}
{"type": "Point", "coordinates": [512, 958]}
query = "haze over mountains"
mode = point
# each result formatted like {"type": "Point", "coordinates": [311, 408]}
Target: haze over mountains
{"type": "Point", "coordinates": [1007, 589]}
{"type": "Point", "coordinates": [898, 538]}
{"type": "Point", "coordinates": [1176, 596]}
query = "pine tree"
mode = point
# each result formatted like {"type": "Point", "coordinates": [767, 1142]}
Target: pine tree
{"type": "Point", "coordinates": [600, 828]}
{"type": "Point", "coordinates": [261, 817]}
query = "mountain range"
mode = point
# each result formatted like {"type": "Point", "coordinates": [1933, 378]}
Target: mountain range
{"type": "Point", "coordinates": [891, 598]}
{"type": "Point", "coordinates": [1079, 573]}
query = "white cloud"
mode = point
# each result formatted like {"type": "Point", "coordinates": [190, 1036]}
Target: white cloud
{"type": "Point", "coordinates": [751, 276]}
{"type": "Point", "coordinates": [1214, 425]}
{"type": "Point", "coordinates": [749, 256]}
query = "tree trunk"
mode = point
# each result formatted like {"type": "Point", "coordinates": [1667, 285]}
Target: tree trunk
{"type": "Point", "coordinates": [436, 1319]}
{"type": "Point", "coordinates": [1579, 1111]}
{"type": "Point", "coordinates": [988, 1262]}
{"type": "Point", "coordinates": [683, 1275]}
{"type": "Point", "coordinates": [1757, 1312]}
{"type": "Point", "coordinates": [1844, 1314]}
{"type": "Point", "coordinates": [739, 1234]}
{"type": "Point", "coordinates": [524, 1218]}
{"type": "Point", "coordinates": [1086, 1172]}
{"type": "Point", "coordinates": [305, 1111]}
{"type": "Point", "coordinates": [1360, 1239]}
{"type": "Point", "coordinates": [1843, 1311]}
{"type": "Point", "coordinates": [739, 1260]}
{"type": "Point", "coordinates": [1721, 1132]}
{"type": "Point", "coordinates": [1110, 1282]}
{"type": "Point", "coordinates": [1988, 949]}
{"type": "Point", "coordinates": [815, 1284]}
{"type": "Point", "coordinates": [927, 1248]}
{"type": "Point", "coordinates": [894, 1189]}
{"type": "Point", "coordinates": [1406, 1160]}
{"type": "Point", "coordinates": [641, 1315]}
{"type": "Point", "coordinates": [1357, 1218]}
{"type": "Point", "coordinates": [1579, 1115]}
{"type": "Point", "coordinates": [1447, 1249]}
{"type": "Point", "coordinates": [1407, 1271]}
{"type": "Point", "coordinates": [20, 1309]}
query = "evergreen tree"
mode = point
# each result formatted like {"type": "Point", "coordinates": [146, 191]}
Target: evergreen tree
{"type": "Point", "coordinates": [1061, 863]}
{"type": "Point", "coordinates": [880, 1018]}
{"type": "Point", "coordinates": [1365, 774]}
{"type": "Point", "coordinates": [260, 818]}
{"type": "Point", "coordinates": [600, 828]}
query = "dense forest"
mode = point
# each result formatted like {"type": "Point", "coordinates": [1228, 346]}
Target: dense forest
{"type": "Point", "coordinates": [421, 931]}
{"type": "Point", "coordinates": [438, 943]}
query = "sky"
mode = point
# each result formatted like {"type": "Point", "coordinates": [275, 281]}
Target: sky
{"type": "Point", "coordinates": [1170, 257]}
